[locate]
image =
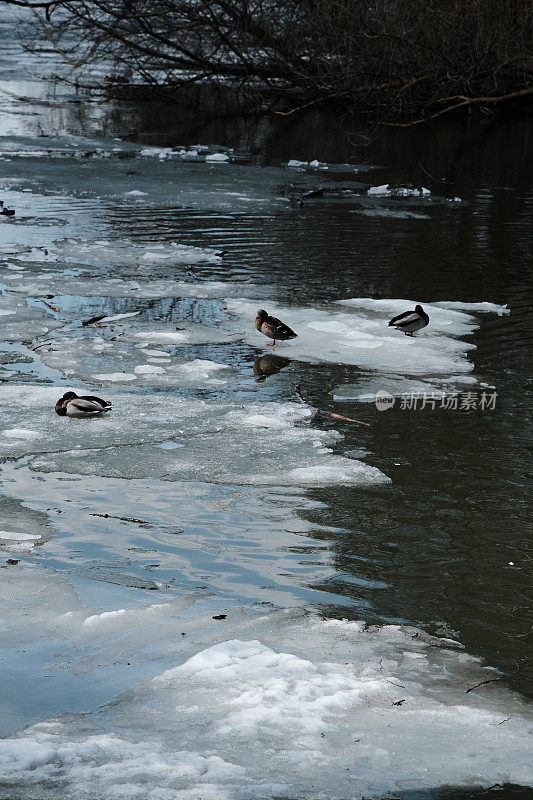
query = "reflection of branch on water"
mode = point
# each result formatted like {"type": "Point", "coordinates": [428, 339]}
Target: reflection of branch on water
{"type": "Point", "coordinates": [331, 414]}
{"type": "Point", "coordinates": [35, 101]}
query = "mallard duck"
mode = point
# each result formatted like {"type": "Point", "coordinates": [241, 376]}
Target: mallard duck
{"type": "Point", "coordinates": [411, 321]}
{"type": "Point", "coordinates": [70, 405]}
{"type": "Point", "coordinates": [273, 328]}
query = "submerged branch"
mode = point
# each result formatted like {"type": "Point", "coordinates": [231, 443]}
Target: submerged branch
{"type": "Point", "coordinates": [331, 414]}
{"type": "Point", "coordinates": [465, 101]}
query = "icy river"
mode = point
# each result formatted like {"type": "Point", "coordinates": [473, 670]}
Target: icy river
{"type": "Point", "coordinates": [214, 592]}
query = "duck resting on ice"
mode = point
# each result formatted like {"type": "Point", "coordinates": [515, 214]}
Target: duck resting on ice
{"type": "Point", "coordinates": [70, 405]}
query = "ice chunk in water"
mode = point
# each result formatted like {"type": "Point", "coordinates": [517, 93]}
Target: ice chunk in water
{"type": "Point", "coordinates": [217, 157]}
{"type": "Point", "coordinates": [480, 307]}
{"type": "Point", "coordinates": [386, 190]}
{"type": "Point", "coordinates": [361, 336]}
{"type": "Point", "coordinates": [379, 191]}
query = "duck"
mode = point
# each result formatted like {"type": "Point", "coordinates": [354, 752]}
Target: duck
{"type": "Point", "coordinates": [273, 328]}
{"type": "Point", "coordinates": [70, 405]}
{"type": "Point", "coordinates": [411, 321]}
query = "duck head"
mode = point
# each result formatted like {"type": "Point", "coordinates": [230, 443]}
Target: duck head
{"type": "Point", "coordinates": [419, 309]}
{"type": "Point", "coordinates": [69, 396]}
{"type": "Point", "coordinates": [262, 315]}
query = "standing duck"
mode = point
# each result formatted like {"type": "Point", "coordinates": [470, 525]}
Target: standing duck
{"type": "Point", "coordinates": [70, 405]}
{"type": "Point", "coordinates": [273, 328]}
{"type": "Point", "coordinates": [410, 321]}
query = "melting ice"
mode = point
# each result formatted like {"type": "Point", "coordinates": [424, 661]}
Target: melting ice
{"type": "Point", "coordinates": [259, 705]}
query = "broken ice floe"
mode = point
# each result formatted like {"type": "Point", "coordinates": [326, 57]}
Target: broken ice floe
{"type": "Point", "coordinates": [484, 307]}
{"type": "Point", "coordinates": [317, 696]}
{"type": "Point", "coordinates": [117, 253]}
{"type": "Point", "coordinates": [84, 148]}
{"type": "Point", "coordinates": [360, 335]}
{"type": "Point", "coordinates": [263, 444]}
{"type": "Point", "coordinates": [120, 353]}
{"type": "Point", "coordinates": [401, 190]}
{"type": "Point", "coordinates": [22, 322]}
{"type": "Point", "coordinates": [217, 157]}
{"type": "Point", "coordinates": [86, 284]}
{"type": "Point", "coordinates": [22, 528]}
{"type": "Point", "coordinates": [315, 164]}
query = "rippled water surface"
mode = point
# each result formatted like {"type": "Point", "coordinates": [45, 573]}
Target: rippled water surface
{"type": "Point", "coordinates": [210, 480]}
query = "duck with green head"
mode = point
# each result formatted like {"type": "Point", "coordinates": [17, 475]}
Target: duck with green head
{"type": "Point", "coordinates": [410, 321]}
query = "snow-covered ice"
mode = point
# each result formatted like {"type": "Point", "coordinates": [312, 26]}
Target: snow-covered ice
{"type": "Point", "coordinates": [355, 331]}
{"type": "Point", "coordinates": [318, 697]}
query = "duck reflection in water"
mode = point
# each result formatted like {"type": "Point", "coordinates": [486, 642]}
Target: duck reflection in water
{"type": "Point", "coordinates": [269, 365]}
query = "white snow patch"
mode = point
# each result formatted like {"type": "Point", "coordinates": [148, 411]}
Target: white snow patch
{"type": "Point", "coordinates": [163, 337]}
{"type": "Point", "coordinates": [116, 317]}
{"type": "Point", "coordinates": [379, 190]}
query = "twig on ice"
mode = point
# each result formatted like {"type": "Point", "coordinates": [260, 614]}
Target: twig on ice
{"type": "Point", "coordinates": [50, 305]}
{"type": "Point", "coordinates": [124, 519]}
{"type": "Point", "coordinates": [331, 414]}
{"type": "Point", "coordinates": [492, 680]}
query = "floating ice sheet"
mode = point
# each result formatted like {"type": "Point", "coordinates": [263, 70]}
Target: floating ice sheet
{"type": "Point", "coordinates": [402, 190]}
{"type": "Point", "coordinates": [368, 385]}
{"type": "Point", "coordinates": [317, 696]}
{"type": "Point", "coordinates": [361, 336]}
{"type": "Point", "coordinates": [255, 443]}
{"type": "Point", "coordinates": [118, 355]}
{"type": "Point", "coordinates": [23, 323]}
{"type": "Point", "coordinates": [89, 284]}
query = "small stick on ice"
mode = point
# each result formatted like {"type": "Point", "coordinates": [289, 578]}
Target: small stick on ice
{"type": "Point", "coordinates": [492, 680]}
{"type": "Point", "coordinates": [50, 305]}
{"type": "Point", "coordinates": [124, 519]}
{"type": "Point", "coordinates": [331, 414]}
